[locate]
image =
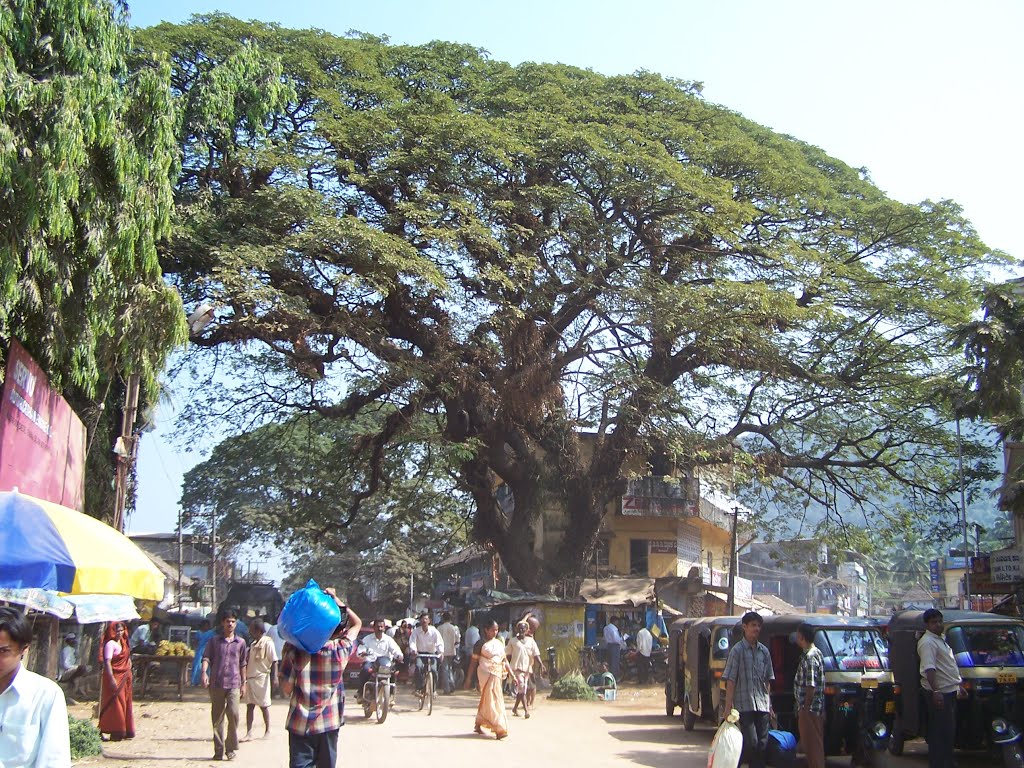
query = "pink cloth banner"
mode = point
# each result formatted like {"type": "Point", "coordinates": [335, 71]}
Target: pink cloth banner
{"type": "Point", "coordinates": [42, 440]}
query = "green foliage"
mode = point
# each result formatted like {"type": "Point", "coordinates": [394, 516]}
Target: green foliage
{"type": "Point", "coordinates": [573, 687]}
{"type": "Point", "coordinates": [85, 738]}
{"type": "Point", "coordinates": [87, 156]}
{"type": "Point", "coordinates": [522, 253]}
{"type": "Point", "coordinates": [291, 485]}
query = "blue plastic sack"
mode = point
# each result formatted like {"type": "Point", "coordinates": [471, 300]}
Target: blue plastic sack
{"type": "Point", "coordinates": [309, 618]}
{"type": "Point", "coordinates": [787, 741]}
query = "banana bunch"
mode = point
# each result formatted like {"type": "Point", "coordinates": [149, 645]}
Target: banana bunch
{"type": "Point", "coordinates": [167, 648]}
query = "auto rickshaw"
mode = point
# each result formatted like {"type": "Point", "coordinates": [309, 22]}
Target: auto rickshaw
{"type": "Point", "coordinates": [989, 650]}
{"type": "Point", "coordinates": [675, 681]}
{"type": "Point", "coordinates": [859, 686]}
{"type": "Point", "coordinates": [697, 660]}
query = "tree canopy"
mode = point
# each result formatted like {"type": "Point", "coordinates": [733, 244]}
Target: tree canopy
{"type": "Point", "coordinates": [564, 272]}
{"type": "Point", "coordinates": [88, 154]}
{"type": "Point", "coordinates": [285, 485]}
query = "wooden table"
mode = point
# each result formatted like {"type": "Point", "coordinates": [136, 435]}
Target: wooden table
{"type": "Point", "coordinates": [145, 660]}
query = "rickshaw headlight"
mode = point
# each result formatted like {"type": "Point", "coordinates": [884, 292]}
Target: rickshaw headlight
{"type": "Point", "coordinates": [879, 730]}
{"type": "Point", "coordinates": [999, 726]}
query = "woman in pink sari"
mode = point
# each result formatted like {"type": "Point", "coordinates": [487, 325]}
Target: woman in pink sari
{"type": "Point", "coordinates": [491, 666]}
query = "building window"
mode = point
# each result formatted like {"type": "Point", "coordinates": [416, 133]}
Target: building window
{"type": "Point", "coordinates": [638, 549]}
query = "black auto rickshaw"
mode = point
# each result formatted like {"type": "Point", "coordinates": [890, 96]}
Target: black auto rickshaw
{"type": "Point", "coordinates": [859, 686]}
{"type": "Point", "coordinates": [989, 650]}
{"type": "Point", "coordinates": [697, 657]}
{"type": "Point", "coordinates": [675, 680]}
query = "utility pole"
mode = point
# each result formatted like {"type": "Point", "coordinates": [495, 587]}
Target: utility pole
{"type": "Point", "coordinates": [125, 449]}
{"type": "Point", "coordinates": [963, 516]}
{"type": "Point", "coordinates": [213, 559]}
{"type": "Point", "coordinates": [730, 606]}
{"type": "Point", "coordinates": [181, 557]}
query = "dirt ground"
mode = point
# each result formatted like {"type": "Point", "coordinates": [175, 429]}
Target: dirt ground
{"type": "Point", "coordinates": [632, 729]}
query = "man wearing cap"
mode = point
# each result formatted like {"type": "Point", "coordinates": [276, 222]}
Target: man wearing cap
{"type": "Point", "coordinates": [748, 674]}
{"type": "Point", "coordinates": [68, 668]}
{"type": "Point", "coordinates": [941, 681]}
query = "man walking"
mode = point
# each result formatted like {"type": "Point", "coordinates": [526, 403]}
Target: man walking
{"type": "Point", "coordinates": [613, 645]}
{"type": "Point", "coordinates": [314, 683]}
{"type": "Point", "coordinates": [425, 639]}
{"type": "Point", "coordinates": [645, 647]}
{"type": "Point", "coordinates": [33, 713]}
{"type": "Point", "coordinates": [748, 673]}
{"type": "Point", "coordinates": [261, 672]}
{"type": "Point", "coordinates": [941, 681]}
{"type": "Point", "coordinates": [809, 690]}
{"type": "Point", "coordinates": [523, 653]}
{"type": "Point", "coordinates": [223, 672]}
{"type": "Point", "coordinates": [452, 637]}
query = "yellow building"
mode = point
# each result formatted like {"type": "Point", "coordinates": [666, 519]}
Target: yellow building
{"type": "Point", "coordinates": [660, 527]}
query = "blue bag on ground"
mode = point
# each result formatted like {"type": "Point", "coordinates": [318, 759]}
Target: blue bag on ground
{"type": "Point", "coordinates": [781, 751]}
{"type": "Point", "coordinates": [309, 618]}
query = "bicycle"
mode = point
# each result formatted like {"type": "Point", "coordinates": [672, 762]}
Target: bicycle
{"type": "Point", "coordinates": [428, 693]}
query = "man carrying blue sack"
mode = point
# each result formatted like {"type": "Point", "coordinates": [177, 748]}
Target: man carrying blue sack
{"type": "Point", "coordinates": [313, 680]}
{"type": "Point", "coordinates": [748, 674]}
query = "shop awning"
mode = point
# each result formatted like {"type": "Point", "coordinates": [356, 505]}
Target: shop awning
{"type": "Point", "coordinates": [620, 591]}
{"type": "Point", "coordinates": [87, 609]}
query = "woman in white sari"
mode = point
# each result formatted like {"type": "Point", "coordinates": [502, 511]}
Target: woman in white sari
{"type": "Point", "coordinates": [491, 665]}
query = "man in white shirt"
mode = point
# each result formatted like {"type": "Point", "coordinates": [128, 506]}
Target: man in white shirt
{"type": "Point", "coordinates": [146, 634]}
{"type": "Point", "coordinates": [452, 637]}
{"type": "Point", "coordinates": [645, 646]}
{"type": "Point", "coordinates": [33, 713]}
{"type": "Point", "coordinates": [68, 668]}
{"type": "Point", "coordinates": [941, 681]}
{"type": "Point", "coordinates": [373, 647]}
{"type": "Point", "coordinates": [425, 639]}
{"type": "Point", "coordinates": [613, 645]}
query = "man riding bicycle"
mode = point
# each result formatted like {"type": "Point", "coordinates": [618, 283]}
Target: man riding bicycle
{"type": "Point", "coordinates": [372, 647]}
{"type": "Point", "coordinates": [425, 639]}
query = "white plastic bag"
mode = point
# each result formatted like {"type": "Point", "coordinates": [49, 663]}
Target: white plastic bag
{"type": "Point", "coordinates": [727, 746]}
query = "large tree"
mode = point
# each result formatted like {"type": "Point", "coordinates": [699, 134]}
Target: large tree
{"type": "Point", "coordinates": [88, 155]}
{"type": "Point", "coordinates": [282, 487]}
{"type": "Point", "coordinates": [525, 253]}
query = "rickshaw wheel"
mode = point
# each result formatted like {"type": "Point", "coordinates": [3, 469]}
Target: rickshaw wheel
{"type": "Point", "coordinates": [670, 705]}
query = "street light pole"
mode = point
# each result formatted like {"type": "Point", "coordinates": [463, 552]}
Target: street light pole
{"type": "Point", "coordinates": [963, 516]}
{"type": "Point", "coordinates": [730, 606]}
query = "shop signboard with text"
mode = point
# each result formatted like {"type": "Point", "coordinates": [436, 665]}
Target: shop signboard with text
{"type": "Point", "coordinates": [42, 440]}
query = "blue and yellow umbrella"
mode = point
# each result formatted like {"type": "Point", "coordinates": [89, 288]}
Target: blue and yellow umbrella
{"type": "Point", "coordinates": [46, 546]}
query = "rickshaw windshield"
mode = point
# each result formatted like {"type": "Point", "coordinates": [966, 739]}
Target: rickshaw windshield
{"type": "Point", "coordinates": [720, 643]}
{"type": "Point", "coordinates": [987, 646]}
{"type": "Point", "coordinates": [852, 650]}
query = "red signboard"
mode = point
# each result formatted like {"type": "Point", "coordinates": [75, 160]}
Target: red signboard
{"type": "Point", "coordinates": [42, 441]}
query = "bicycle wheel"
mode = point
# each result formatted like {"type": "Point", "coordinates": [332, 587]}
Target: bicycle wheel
{"type": "Point", "coordinates": [428, 691]}
{"type": "Point", "coordinates": [382, 703]}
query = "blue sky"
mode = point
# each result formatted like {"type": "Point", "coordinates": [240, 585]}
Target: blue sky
{"type": "Point", "coordinates": [926, 95]}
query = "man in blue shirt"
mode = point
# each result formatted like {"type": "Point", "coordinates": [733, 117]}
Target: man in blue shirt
{"type": "Point", "coordinates": [748, 674]}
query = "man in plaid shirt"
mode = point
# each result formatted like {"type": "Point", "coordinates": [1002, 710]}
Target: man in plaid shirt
{"type": "Point", "coordinates": [315, 684]}
{"type": "Point", "coordinates": [748, 673]}
{"type": "Point", "coordinates": [809, 690]}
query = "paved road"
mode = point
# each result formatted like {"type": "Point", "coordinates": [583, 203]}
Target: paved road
{"type": "Point", "coordinates": [632, 730]}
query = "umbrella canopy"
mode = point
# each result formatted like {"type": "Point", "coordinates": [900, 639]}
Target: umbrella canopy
{"type": "Point", "coordinates": [46, 546]}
